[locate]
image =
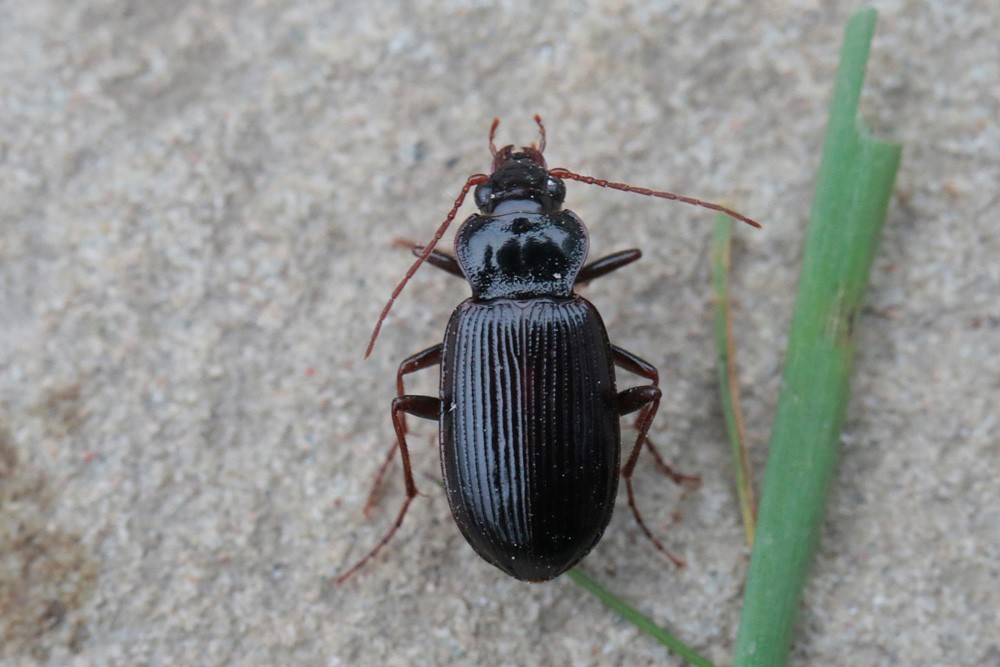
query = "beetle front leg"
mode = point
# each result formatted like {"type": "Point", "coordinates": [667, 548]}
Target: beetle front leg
{"type": "Point", "coordinates": [607, 264]}
{"type": "Point", "coordinates": [425, 407]}
{"type": "Point", "coordinates": [437, 258]}
{"type": "Point", "coordinates": [419, 361]}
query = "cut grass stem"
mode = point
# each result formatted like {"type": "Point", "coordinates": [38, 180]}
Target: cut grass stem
{"type": "Point", "coordinates": [852, 194]}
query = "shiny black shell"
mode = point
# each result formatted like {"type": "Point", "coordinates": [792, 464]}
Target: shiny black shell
{"type": "Point", "coordinates": [521, 254]}
{"type": "Point", "coordinates": [529, 437]}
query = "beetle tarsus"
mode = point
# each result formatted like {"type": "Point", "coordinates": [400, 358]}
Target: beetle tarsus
{"type": "Point", "coordinates": [653, 394]}
{"type": "Point", "coordinates": [426, 407]}
{"type": "Point", "coordinates": [375, 492]}
{"type": "Point", "coordinates": [692, 481]}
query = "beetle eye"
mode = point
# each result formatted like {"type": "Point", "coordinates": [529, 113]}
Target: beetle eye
{"type": "Point", "coordinates": [556, 189]}
{"type": "Point", "coordinates": [484, 196]}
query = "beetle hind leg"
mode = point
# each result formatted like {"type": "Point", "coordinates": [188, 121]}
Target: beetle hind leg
{"type": "Point", "coordinates": [419, 361]}
{"type": "Point", "coordinates": [644, 369]}
{"type": "Point", "coordinates": [675, 475]}
{"type": "Point", "coordinates": [646, 400]}
{"type": "Point", "coordinates": [426, 407]}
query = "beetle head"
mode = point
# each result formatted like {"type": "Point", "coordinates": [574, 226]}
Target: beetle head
{"type": "Point", "coordinates": [520, 177]}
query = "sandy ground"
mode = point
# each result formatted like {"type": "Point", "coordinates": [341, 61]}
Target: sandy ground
{"type": "Point", "coordinates": [198, 203]}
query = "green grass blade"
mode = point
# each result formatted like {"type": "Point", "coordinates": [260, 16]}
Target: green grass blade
{"type": "Point", "coordinates": [641, 621]}
{"type": "Point", "coordinates": [852, 194]}
{"type": "Point", "coordinates": [729, 390]}
{"type": "Point", "coordinates": [633, 615]}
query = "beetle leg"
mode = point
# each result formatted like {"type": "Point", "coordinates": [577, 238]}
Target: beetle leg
{"type": "Point", "coordinates": [437, 258]}
{"type": "Point", "coordinates": [607, 264]}
{"type": "Point", "coordinates": [426, 407]}
{"type": "Point", "coordinates": [642, 368]}
{"type": "Point", "coordinates": [645, 399]}
{"type": "Point", "coordinates": [419, 361]}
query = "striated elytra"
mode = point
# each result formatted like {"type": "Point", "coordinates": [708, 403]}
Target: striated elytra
{"type": "Point", "coordinates": [528, 407]}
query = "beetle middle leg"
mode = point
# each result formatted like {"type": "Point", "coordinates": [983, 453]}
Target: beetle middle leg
{"type": "Point", "coordinates": [419, 361]}
{"type": "Point", "coordinates": [646, 400]}
{"type": "Point", "coordinates": [426, 407]}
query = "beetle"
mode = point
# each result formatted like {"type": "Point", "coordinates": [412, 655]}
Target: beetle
{"type": "Point", "coordinates": [528, 407]}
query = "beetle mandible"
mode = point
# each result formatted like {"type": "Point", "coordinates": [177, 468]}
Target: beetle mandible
{"type": "Point", "coordinates": [528, 408]}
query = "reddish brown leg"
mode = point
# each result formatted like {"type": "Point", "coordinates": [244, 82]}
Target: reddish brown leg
{"type": "Point", "coordinates": [675, 475]}
{"type": "Point", "coordinates": [426, 407]}
{"type": "Point", "coordinates": [425, 359]}
{"type": "Point", "coordinates": [645, 399]}
{"type": "Point", "coordinates": [375, 493]}
{"type": "Point", "coordinates": [642, 368]}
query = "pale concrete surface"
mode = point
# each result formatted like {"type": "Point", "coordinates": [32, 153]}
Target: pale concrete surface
{"type": "Point", "coordinates": [197, 205]}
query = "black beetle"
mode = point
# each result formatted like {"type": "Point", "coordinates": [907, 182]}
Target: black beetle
{"type": "Point", "coordinates": [528, 408]}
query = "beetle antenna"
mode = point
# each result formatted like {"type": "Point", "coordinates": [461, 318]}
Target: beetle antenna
{"type": "Point", "coordinates": [473, 181]}
{"type": "Point", "coordinates": [625, 187]}
{"type": "Point", "coordinates": [493, 134]}
{"type": "Point", "coordinates": [541, 130]}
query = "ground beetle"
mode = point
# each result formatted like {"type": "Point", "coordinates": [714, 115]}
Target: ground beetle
{"type": "Point", "coordinates": [528, 409]}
